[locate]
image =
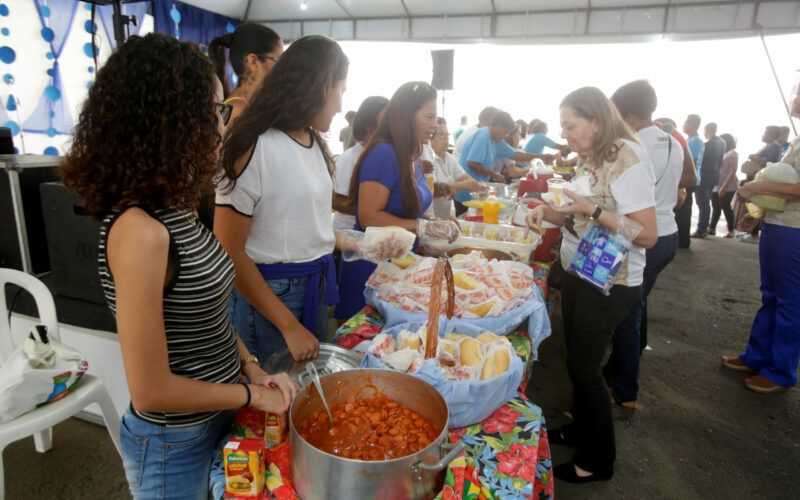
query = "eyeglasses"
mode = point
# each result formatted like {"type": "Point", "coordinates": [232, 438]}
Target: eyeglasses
{"type": "Point", "coordinates": [264, 57]}
{"type": "Point", "coordinates": [225, 111]}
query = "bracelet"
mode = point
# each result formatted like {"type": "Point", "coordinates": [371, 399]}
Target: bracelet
{"type": "Point", "coordinates": [249, 395]}
{"type": "Point", "coordinates": [596, 213]}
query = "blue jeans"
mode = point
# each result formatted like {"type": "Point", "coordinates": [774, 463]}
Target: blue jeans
{"type": "Point", "coordinates": [170, 462]}
{"type": "Point", "coordinates": [261, 337]}
{"type": "Point", "coordinates": [702, 196]}
{"type": "Point", "coordinates": [623, 364]}
{"type": "Point", "coordinates": [774, 346]}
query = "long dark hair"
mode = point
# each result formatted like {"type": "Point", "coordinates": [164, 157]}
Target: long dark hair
{"type": "Point", "coordinates": [399, 128]}
{"type": "Point", "coordinates": [246, 39]}
{"type": "Point", "coordinates": [147, 133]}
{"type": "Point", "coordinates": [290, 97]}
{"type": "Point", "coordinates": [366, 119]}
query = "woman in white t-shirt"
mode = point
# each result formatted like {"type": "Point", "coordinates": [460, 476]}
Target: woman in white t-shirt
{"type": "Point", "coordinates": [364, 124]}
{"type": "Point", "coordinates": [273, 213]}
{"type": "Point", "coordinates": [622, 182]}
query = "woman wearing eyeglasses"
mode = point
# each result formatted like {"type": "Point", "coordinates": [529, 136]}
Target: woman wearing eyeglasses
{"type": "Point", "coordinates": [253, 50]}
{"type": "Point", "coordinates": [142, 152]}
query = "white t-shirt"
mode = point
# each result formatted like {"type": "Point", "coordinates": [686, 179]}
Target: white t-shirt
{"type": "Point", "coordinates": [445, 170]}
{"type": "Point", "coordinates": [286, 189]}
{"type": "Point", "coordinates": [630, 192]}
{"type": "Point", "coordinates": [345, 165]}
{"type": "Point", "coordinates": [462, 139]}
{"type": "Point", "coordinates": [667, 167]}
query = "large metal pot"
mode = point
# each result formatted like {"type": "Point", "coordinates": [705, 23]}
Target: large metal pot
{"type": "Point", "coordinates": [320, 475]}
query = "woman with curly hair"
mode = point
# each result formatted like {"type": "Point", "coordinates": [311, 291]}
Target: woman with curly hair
{"type": "Point", "coordinates": [145, 146]}
{"type": "Point", "coordinates": [623, 186]}
{"type": "Point", "coordinates": [273, 209]}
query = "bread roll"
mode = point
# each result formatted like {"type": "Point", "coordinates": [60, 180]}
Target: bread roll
{"type": "Point", "coordinates": [471, 352]}
{"type": "Point", "coordinates": [486, 337]}
{"type": "Point", "coordinates": [455, 337]}
{"type": "Point", "coordinates": [404, 261]}
{"type": "Point", "coordinates": [482, 310]}
{"type": "Point", "coordinates": [466, 282]}
{"type": "Point", "coordinates": [413, 342]}
{"type": "Point", "coordinates": [495, 364]}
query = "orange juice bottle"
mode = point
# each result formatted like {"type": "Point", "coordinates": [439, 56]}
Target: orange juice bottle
{"type": "Point", "coordinates": [491, 207]}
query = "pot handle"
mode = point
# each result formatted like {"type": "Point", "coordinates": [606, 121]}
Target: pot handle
{"type": "Point", "coordinates": [418, 468]}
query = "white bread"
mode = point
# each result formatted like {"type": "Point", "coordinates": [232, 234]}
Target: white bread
{"type": "Point", "coordinates": [496, 363]}
{"type": "Point", "coordinates": [471, 352]}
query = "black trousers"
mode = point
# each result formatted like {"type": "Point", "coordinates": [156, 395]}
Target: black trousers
{"type": "Point", "coordinates": [721, 205]}
{"type": "Point", "coordinates": [683, 217]}
{"type": "Point", "coordinates": [590, 319]}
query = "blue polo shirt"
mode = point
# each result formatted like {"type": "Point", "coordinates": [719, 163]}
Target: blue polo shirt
{"type": "Point", "coordinates": [537, 143]}
{"type": "Point", "coordinates": [480, 148]}
{"type": "Point", "coordinates": [696, 147]}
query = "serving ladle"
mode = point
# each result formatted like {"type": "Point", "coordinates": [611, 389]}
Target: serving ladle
{"type": "Point", "coordinates": [312, 371]}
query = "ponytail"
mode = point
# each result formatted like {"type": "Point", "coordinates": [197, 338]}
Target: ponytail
{"type": "Point", "coordinates": [217, 53]}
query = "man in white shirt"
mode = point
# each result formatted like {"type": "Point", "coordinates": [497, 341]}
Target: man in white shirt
{"type": "Point", "coordinates": [446, 170]}
{"type": "Point", "coordinates": [636, 102]}
{"type": "Point", "coordinates": [484, 118]}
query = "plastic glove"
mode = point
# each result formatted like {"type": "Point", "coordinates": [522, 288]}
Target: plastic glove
{"type": "Point", "coordinates": [438, 230]}
{"type": "Point", "coordinates": [377, 244]}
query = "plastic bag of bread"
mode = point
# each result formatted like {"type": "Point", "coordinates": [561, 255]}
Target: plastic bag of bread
{"type": "Point", "coordinates": [391, 241]}
{"type": "Point", "coordinates": [382, 345]}
{"type": "Point", "coordinates": [401, 360]}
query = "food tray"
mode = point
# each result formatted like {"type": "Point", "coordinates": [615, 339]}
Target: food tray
{"type": "Point", "coordinates": [503, 237]}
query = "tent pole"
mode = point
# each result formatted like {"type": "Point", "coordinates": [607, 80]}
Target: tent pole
{"type": "Point", "coordinates": [777, 81]}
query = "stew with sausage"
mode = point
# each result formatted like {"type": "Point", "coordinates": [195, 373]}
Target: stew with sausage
{"type": "Point", "coordinates": [374, 428]}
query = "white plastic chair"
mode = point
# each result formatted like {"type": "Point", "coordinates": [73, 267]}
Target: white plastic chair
{"type": "Point", "coordinates": [40, 421]}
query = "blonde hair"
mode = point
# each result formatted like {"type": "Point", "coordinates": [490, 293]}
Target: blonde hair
{"type": "Point", "coordinates": [591, 104]}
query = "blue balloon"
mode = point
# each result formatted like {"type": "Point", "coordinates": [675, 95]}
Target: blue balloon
{"type": "Point", "coordinates": [50, 56]}
{"type": "Point", "coordinates": [7, 54]}
{"type": "Point", "coordinates": [14, 126]}
{"type": "Point", "coordinates": [48, 34]}
{"type": "Point", "coordinates": [16, 150]}
{"type": "Point", "coordinates": [229, 28]}
{"type": "Point", "coordinates": [52, 114]}
{"type": "Point", "coordinates": [50, 72]}
{"type": "Point", "coordinates": [91, 69]}
{"type": "Point", "coordinates": [5, 31]}
{"type": "Point", "coordinates": [89, 26]}
{"type": "Point", "coordinates": [8, 78]}
{"type": "Point", "coordinates": [51, 132]}
{"type": "Point", "coordinates": [11, 105]}
{"type": "Point", "coordinates": [87, 49]}
{"type": "Point", "coordinates": [45, 10]}
{"type": "Point", "coordinates": [175, 15]}
{"type": "Point", "coordinates": [3, 9]}
{"type": "Point", "coordinates": [89, 84]}
{"type": "Point", "coordinates": [51, 151]}
{"type": "Point", "coordinates": [88, 6]}
{"type": "Point", "coordinates": [52, 93]}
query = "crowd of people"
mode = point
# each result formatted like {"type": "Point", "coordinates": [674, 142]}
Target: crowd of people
{"type": "Point", "coordinates": [199, 311]}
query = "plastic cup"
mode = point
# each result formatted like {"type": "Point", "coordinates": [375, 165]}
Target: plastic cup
{"type": "Point", "coordinates": [555, 186]}
{"type": "Point", "coordinates": [429, 179]}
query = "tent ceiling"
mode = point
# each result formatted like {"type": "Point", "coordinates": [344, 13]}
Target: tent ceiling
{"type": "Point", "coordinates": [518, 21]}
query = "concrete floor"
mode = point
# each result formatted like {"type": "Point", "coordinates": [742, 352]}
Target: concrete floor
{"type": "Point", "coordinates": [697, 434]}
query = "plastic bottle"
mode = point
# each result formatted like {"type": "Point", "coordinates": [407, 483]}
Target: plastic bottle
{"type": "Point", "coordinates": [491, 207]}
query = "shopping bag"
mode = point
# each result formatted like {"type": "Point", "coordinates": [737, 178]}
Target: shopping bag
{"type": "Point", "coordinates": [39, 371]}
{"type": "Point", "coordinates": [601, 252]}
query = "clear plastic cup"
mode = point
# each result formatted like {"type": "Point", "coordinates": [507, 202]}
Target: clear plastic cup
{"type": "Point", "coordinates": [555, 186]}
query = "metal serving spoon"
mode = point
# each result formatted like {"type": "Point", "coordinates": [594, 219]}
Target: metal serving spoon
{"type": "Point", "coordinates": [312, 371]}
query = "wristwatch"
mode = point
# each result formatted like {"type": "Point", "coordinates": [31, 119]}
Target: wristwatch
{"type": "Point", "coordinates": [596, 213]}
{"type": "Point", "coordinates": [249, 359]}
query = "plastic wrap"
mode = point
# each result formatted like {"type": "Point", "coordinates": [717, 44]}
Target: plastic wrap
{"type": "Point", "coordinates": [781, 173]}
{"type": "Point", "coordinates": [601, 253]}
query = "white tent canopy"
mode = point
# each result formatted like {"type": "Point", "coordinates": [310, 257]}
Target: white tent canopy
{"type": "Point", "coordinates": [516, 21]}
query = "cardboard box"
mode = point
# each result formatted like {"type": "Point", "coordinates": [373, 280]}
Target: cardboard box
{"type": "Point", "coordinates": [274, 429]}
{"type": "Point", "coordinates": [244, 467]}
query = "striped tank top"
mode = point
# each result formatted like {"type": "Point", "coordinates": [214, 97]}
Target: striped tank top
{"type": "Point", "coordinates": [201, 342]}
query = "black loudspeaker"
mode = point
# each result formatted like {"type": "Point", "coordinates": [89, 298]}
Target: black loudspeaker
{"type": "Point", "coordinates": [6, 141]}
{"type": "Point", "coordinates": [72, 240]}
{"type": "Point", "coordinates": [442, 69]}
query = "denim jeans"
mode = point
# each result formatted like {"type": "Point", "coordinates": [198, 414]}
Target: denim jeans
{"type": "Point", "coordinates": [261, 337]}
{"type": "Point", "coordinates": [589, 322]}
{"type": "Point", "coordinates": [703, 197]}
{"type": "Point", "coordinates": [623, 364]}
{"type": "Point", "coordinates": [169, 462]}
{"type": "Point", "coordinates": [774, 346]}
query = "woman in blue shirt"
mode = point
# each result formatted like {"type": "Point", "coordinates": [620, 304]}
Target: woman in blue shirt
{"type": "Point", "coordinates": [388, 187]}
